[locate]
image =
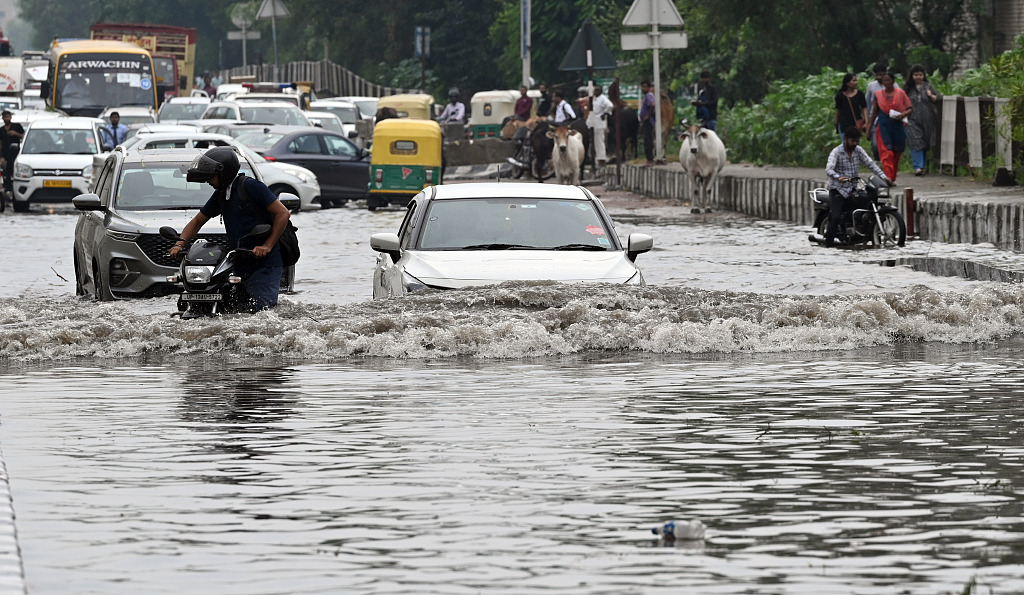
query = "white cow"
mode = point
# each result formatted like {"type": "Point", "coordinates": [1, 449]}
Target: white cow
{"type": "Point", "coordinates": [702, 156]}
{"type": "Point", "coordinates": [567, 154]}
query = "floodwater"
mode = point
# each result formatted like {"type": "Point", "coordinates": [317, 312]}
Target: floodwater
{"type": "Point", "coordinates": [840, 421]}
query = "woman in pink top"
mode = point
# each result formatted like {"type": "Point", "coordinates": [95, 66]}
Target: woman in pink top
{"type": "Point", "coordinates": [892, 106]}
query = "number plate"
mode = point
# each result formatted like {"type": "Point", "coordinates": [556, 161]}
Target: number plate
{"type": "Point", "coordinates": [56, 183]}
{"type": "Point", "coordinates": [202, 297]}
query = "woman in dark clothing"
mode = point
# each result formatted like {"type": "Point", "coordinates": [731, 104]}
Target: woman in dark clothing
{"type": "Point", "coordinates": [921, 123]}
{"type": "Point", "coordinates": [851, 106]}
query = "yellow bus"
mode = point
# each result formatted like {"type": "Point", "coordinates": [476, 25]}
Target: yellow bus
{"type": "Point", "coordinates": [85, 76]}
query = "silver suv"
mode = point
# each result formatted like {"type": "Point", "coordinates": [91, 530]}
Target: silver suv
{"type": "Point", "coordinates": [119, 252]}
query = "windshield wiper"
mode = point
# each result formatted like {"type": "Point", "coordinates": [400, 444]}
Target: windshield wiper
{"type": "Point", "coordinates": [590, 247]}
{"type": "Point", "coordinates": [500, 247]}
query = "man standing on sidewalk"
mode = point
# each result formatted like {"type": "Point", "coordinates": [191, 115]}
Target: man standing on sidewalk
{"type": "Point", "coordinates": [647, 121]}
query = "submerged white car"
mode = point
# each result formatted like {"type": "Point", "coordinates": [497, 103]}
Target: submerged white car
{"type": "Point", "coordinates": [464, 235]}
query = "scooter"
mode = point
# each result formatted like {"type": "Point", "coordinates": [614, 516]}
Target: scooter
{"type": "Point", "coordinates": [207, 275]}
{"type": "Point", "coordinates": [868, 217]}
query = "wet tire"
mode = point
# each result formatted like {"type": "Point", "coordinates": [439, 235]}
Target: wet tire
{"type": "Point", "coordinates": [893, 231]}
{"type": "Point", "coordinates": [100, 285]}
{"type": "Point", "coordinates": [20, 206]}
{"type": "Point", "coordinates": [279, 189]}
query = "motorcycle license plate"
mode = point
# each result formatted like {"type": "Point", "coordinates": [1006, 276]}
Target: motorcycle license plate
{"type": "Point", "coordinates": [56, 183]}
{"type": "Point", "coordinates": [202, 297]}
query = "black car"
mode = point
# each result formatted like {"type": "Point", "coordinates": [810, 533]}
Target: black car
{"type": "Point", "coordinates": [342, 168]}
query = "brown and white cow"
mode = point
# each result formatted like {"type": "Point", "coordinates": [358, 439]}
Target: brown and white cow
{"type": "Point", "coordinates": [567, 154]}
{"type": "Point", "coordinates": [702, 156]}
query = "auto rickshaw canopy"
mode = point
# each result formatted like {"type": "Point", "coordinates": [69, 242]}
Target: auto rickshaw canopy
{"type": "Point", "coordinates": [410, 105]}
{"type": "Point", "coordinates": [406, 141]}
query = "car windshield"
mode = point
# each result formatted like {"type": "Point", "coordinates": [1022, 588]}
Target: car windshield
{"type": "Point", "coordinates": [59, 141]}
{"type": "Point", "coordinates": [331, 124]}
{"type": "Point", "coordinates": [286, 114]}
{"type": "Point", "coordinates": [513, 223]}
{"type": "Point", "coordinates": [181, 111]}
{"type": "Point", "coordinates": [348, 115]}
{"type": "Point", "coordinates": [259, 141]}
{"type": "Point", "coordinates": [161, 186]}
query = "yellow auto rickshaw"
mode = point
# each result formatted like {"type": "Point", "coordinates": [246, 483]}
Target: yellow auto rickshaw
{"type": "Point", "coordinates": [409, 105]}
{"type": "Point", "coordinates": [405, 158]}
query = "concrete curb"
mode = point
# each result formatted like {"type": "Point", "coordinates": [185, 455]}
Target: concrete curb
{"type": "Point", "coordinates": [12, 571]}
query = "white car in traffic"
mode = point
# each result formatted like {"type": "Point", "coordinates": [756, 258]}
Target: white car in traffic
{"type": "Point", "coordinates": [55, 163]}
{"type": "Point", "coordinates": [464, 235]}
{"type": "Point", "coordinates": [280, 177]}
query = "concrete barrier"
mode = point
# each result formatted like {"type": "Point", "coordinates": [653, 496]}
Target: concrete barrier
{"type": "Point", "coordinates": [946, 209]}
{"type": "Point", "coordinates": [477, 151]}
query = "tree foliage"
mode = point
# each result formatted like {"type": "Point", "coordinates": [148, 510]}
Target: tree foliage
{"type": "Point", "coordinates": [747, 44]}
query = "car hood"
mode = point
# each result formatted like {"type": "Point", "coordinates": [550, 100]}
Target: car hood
{"type": "Point", "coordinates": [152, 221]}
{"type": "Point", "coordinates": [60, 161]}
{"type": "Point", "coordinates": [453, 269]}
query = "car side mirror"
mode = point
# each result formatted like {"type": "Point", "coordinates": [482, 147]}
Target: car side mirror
{"type": "Point", "coordinates": [353, 134]}
{"type": "Point", "coordinates": [290, 201]}
{"type": "Point", "coordinates": [637, 244]}
{"type": "Point", "coordinates": [87, 202]}
{"type": "Point", "coordinates": [387, 243]}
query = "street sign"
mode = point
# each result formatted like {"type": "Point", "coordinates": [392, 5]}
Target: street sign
{"type": "Point", "coordinates": [422, 42]}
{"type": "Point", "coordinates": [646, 13]}
{"type": "Point", "coordinates": [237, 35]}
{"type": "Point", "coordinates": [588, 51]}
{"type": "Point", "coordinates": [272, 8]}
{"type": "Point", "coordinates": [645, 41]}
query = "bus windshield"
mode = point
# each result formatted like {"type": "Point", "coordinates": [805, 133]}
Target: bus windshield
{"type": "Point", "coordinates": [88, 82]}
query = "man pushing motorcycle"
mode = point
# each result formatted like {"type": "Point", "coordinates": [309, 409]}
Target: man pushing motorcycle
{"type": "Point", "coordinates": [842, 169]}
{"type": "Point", "coordinates": [261, 276]}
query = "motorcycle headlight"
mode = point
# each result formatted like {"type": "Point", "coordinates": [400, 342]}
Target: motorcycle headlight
{"type": "Point", "coordinates": [198, 274]}
{"type": "Point", "coordinates": [302, 175]}
{"type": "Point", "coordinates": [411, 283]}
{"type": "Point", "coordinates": [22, 171]}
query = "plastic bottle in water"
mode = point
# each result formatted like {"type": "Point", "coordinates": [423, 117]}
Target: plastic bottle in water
{"type": "Point", "coordinates": [683, 530]}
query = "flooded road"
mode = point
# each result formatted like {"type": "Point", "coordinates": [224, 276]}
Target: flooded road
{"type": "Point", "coordinates": [840, 422]}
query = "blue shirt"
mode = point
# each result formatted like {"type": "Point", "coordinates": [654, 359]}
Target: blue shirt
{"type": "Point", "coordinates": [239, 219]}
{"type": "Point", "coordinates": [647, 108]}
{"type": "Point", "coordinates": [114, 136]}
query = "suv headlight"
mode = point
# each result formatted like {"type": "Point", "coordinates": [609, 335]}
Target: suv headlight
{"type": "Point", "coordinates": [198, 274]}
{"type": "Point", "coordinates": [22, 171]}
{"type": "Point", "coordinates": [124, 236]}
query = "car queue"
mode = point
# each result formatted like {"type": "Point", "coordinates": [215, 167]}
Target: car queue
{"type": "Point", "coordinates": [125, 194]}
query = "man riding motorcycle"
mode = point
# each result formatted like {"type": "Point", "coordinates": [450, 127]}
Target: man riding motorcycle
{"type": "Point", "coordinates": [261, 276]}
{"type": "Point", "coordinates": [842, 169]}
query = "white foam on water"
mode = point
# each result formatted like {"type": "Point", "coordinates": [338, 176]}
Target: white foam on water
{"type": "Point", "coordinates": [518, 320]}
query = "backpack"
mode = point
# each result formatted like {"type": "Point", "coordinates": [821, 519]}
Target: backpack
{"type": "Point", "coordinates": [289, 241]}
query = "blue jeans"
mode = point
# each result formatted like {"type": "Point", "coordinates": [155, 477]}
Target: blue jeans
{"type": "Point", "coordinates": [711, 124]}
{"type": "Point", "coordinates": [918, 158]}
{"type": "Point", "coordinates": [263, 285]}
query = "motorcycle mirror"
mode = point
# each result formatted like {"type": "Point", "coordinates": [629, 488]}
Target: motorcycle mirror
{"type": "Point", "coordinates": [168, 232]}
{"type": "Point", "coordinates": [260, 232]}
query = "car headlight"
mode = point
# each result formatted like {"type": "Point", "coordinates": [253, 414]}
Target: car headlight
{"type": "Point", "coordinates": [198, 274]}
{"type": "Point", "coordinates": [124, 236]}
{"type": "Point", "coordinates": [637, 279]}
{"type": "Point", "coordinates": [411, 283]}
{"type": "Point", "coordinates": [87, 172]}
{"type": "Point", "coordinates": [298, 173]}
{"type": "Point", "coordinates": [22, 171]}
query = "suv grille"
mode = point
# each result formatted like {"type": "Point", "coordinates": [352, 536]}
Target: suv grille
{"type": "Point", "coordinates": [156, 247]}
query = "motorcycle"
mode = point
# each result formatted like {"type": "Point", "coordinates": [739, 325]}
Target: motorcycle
{"type": "Point", "coordinates": [868, 216]}
{"type": "Point", "coordinates": [523, 159]}
{"type": "Point", "coordinates": [206, 274]}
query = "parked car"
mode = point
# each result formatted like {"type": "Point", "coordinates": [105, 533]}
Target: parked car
{"type": "Point", "coordinates": [292, 98]}
{"type": "Point", "coordinates": [266, 112]}
{"type": "Point", "coordinates": [130, 114]}
{"type": "Point", "coordinates": [56, 160]}
{"type": "Point", "coordinates": [464, 235]}
{"type": "Point", "coordinates": [182, 108]}
{"type": "Point", "coordinates": [341, 167]}
{"type": "Point", "coordinates": [118, 250]}
{"type": "Point", "coordinates": [279, 176]}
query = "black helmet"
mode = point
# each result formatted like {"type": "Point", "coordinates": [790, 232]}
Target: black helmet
{"type": "Point", "coordinates": [218, 160]}
{"type": "Point", "coordinates": [453, 93]}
